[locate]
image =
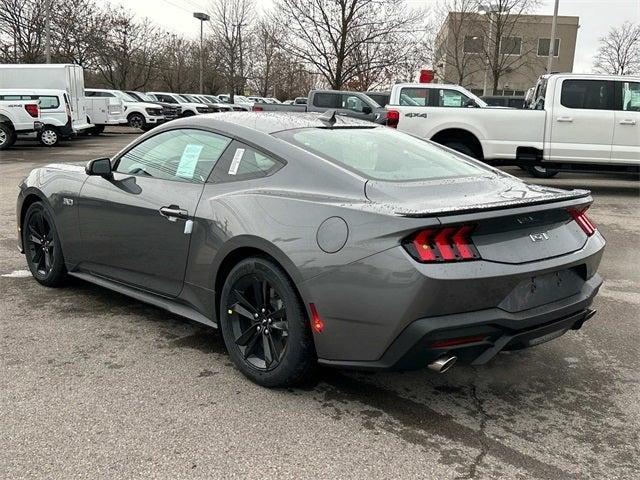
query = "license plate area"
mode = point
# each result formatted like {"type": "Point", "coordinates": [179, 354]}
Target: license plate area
{"type": "Point", "coordinates": [539, 290]}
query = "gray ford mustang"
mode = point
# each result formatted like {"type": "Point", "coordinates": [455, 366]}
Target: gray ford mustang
{"type": "Point", "coordinates": [319, 239]}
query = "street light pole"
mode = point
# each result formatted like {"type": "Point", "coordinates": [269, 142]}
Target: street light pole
{"type": "Point", "coordinates": [203, 17]}
{"type": "Point", "coordinates": [48, 32]}
{"type": "Point", "coordinates": [552, 40]}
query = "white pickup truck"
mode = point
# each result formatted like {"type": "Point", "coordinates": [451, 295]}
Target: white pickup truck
{"type": "Point", "coordinates": [575, 122]}
{"type": "Point", "coordinates": [17, 116]}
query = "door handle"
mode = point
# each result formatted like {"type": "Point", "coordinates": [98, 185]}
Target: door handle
{"type": "Point", "coordinates": [173, 213]}
{"type": "Point", "coordinates": [627, 121]}
{"type": "Point", "coordinates": [565, 119]}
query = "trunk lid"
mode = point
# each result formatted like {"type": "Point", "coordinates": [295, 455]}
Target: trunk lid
{"type": "Point", "coordinates": [508, 227]}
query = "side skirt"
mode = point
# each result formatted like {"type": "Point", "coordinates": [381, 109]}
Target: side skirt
{"type": "Point", "coordinates": [161, 302]}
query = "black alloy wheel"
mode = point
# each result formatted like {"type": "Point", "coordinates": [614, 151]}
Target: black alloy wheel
{"type": "Point", "coordinates": [137, 120]}
{"type": "Point", "coordinates": [258, 321]}
{"type": "Point", "coordinates": [42, 246]}
{"type": "Point", "coordinates": [264, 324]}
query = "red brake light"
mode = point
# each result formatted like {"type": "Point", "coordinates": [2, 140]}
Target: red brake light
{"type": "Point", "coordinates": [32, 109]}
{"type": "Point", "coordinates": [448, 244]}
{"type": "Point", "coordinates": [393, 117]}
{"type": "Point", "coordinates": [317, 324]}
{"type": "Point", "coordinates": [580, 217]}
{"type": "Point", "coordinates": [257, 108]}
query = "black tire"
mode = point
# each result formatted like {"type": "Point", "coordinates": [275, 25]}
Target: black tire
{"type": "Point", "coordinates": [42, 246]}
{"type": "Point", "coordinates": [7, 136]}
{"type": "Point", "coordinates": [542, 172]}
{"type": "Point", "coordinates": [97, 130]}
{"type": "Point", "coordinates": [462, 148]}
{"type": "Point", "coordinates": [251, 326]}
{"type": "Point", "coordinates": [49, 136]}
{"type": "Point", "coordinates": [137, 120]}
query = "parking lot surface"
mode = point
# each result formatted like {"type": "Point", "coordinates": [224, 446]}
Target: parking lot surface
{"type": "Point", "coordinates": [96, 385]}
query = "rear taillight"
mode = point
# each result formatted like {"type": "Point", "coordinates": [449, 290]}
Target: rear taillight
{"type": "Point", "coordinates": [257, 108]}
{"type": "Point", "coordinates": [580, 217]}
{"type": "Point", "coordinates": [448, 244]}
{"type": "Point", "coordinates": [393, 117]}
{"type": "Point", "coordinates": [32, 109]}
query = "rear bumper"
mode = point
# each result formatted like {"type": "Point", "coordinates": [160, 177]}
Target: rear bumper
{"type": "Point", "coordinates": [489, 331]}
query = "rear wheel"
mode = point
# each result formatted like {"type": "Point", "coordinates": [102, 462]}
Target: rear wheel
{"type": "Point", "coordinates": [97, 130]}
{"type": "Point", "coordinates": [42, 246]}
{"type": "Point", "coordinates": [264, 324]}
{"type": "Point", "coordinates": [7, 136]}
{"type": "Point", "coordinates": [49, 136]}
{"type": "Point", "coordinates": [542, 172]}
{"type": "Point", "coordinates": [462, 148]}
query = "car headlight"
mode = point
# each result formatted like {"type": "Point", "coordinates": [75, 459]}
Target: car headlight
{"type": "Point", "coordinates": [153, 111]}
{"type": "Point", "coordinates": [202, 109]}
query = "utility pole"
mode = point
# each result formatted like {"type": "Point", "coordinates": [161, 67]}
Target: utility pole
{"type": "Point", "coordinates": [552, 40]}
{"type": "Point", "coordinates": [48, 32]}
{"type": "Point", "coordinates": [203, 17]}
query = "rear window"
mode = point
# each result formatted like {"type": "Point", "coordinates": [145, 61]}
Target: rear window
{"type": "Point", "coordinates": [383, 153]}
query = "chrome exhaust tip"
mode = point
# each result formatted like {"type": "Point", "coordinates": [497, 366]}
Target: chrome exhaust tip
{"type": "Point", "coordinates": [443, 363]}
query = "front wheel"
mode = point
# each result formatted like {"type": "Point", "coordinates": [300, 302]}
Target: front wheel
{"type": "Point", "coordinates": [137, 120]}
{"type": "Point", "coordinates": [264, 325]}
{"type": "Point", "coordinates": [542, 172]}
{"type": "Point", "coordinates": [42, 246]}
{"type": "Point", "coordinates": [7, 136]}
{"type": "Point", "coordinates": [49, 136]}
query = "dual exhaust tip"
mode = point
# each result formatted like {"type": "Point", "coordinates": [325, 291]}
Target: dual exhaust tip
{"type": "Point", "coordinates": [443, 363]}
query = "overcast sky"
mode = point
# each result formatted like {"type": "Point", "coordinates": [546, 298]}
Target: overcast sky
{"type": "Point", "coordinates": [596, 17]}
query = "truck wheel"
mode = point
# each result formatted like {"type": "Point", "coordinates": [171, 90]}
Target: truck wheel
{"type": "Point", "coordinates": [462, 148]}
{"type": "Point", "coordinates": [49, 136]}
{"type": "Point", "coordinates": [542, 172]}
{"type": "Point", "coordinates": [7, 136]}
{"type": "Point", "coordinates": [97, 130]}
{"type": "Point", "coordinates": [137, 120]}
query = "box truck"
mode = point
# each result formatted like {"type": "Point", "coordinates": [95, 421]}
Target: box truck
{"type": "Point", "coordinates": [67, 77]}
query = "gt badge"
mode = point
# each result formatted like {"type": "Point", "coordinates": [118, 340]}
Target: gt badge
{"type": "Point", "coordinates": [539, 237]}
{"type": "Point", "coordinates": [67, 201]}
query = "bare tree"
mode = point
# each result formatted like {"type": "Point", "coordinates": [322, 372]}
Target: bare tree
{"type": "Point", "coordinates": [231, 24]}
{"type": "Point", "coordinates": [128, 53]}
{"type": "Point", "coordinates": [77, 32]}
{"type": "Point", "coordinates": [619, 51]}
{"type": "Point", "coordinates": [503, 48]}
{"type": "Point", "coordinates": [22, 23]}
{"type": "Point", "coordinates": [268, 50]}
{"type": "Point", "coordinates": [329, 34]}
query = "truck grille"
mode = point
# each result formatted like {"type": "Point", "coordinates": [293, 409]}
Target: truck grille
{"type": "Point", "coordinates": [170, 113]}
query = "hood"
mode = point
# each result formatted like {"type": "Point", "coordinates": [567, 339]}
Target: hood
{"type": "Point", "coordinates": [195, 105]}
{"type": "Point", "coordinates": [462, 195]}
{"type": "Point", "coordinates": [143, 104]}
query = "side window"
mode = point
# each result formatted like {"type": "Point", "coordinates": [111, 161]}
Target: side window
{"type": "Point", "coordinates": [414, 97]}
{"type": "Point", "coordinates": [451, 98]}
{"type": "Point", "coordinates": [184, 155]}
{"type": "Point", "coordinates": [241, 162]}
{"type": "Point", "coordinates": [587, 94]}
{"type": "Point", "coordinates": [352, 102]}
{"type": "Point", "coordinates": [631, 96]}
{"type": "Point", "coordinates": [326, 100]}
{"type": "Point", "coordinates": [49, 102]}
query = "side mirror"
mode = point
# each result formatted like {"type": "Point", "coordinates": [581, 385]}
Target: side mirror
{"type": "Point", "coordinates": [366, 109]}
{"type": "Point", "coordinates": [99, 166]}
{"type": "Point", "coordinates": [471, 103]}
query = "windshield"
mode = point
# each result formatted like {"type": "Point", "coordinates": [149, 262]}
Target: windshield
{"type": "Point", "coordinates": [144, 97]}
{"type": "Point", "coordinates": [184, 99]}
{"type": "Point", "coordinates": [383, 153]}
{"type": "Point", "coordinates": [240, 98]}
{"type": "Point", "coordinates": [125, 96]}
{"type": "Point", "coordinates": [212, 98]}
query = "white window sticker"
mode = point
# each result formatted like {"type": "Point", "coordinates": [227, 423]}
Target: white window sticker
{"type": "Point", "coordinates": [235, 163]}
{"type": "Point", "coordinates": [189, 161]}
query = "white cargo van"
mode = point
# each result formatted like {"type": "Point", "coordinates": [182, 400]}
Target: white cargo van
{"type": "Point", "coordinates": [103, 111]}
{"type": "Point", "coordinates": [67, 77]}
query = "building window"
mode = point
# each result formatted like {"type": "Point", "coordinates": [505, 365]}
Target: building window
{"type": "Point", "coordinates": [473, 44]}
{"type": "Point", "coordinates": [510, 45]}
{"type": "Point", "coordinates": [543, 47]}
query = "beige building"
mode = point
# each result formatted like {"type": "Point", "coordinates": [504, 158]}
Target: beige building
{"type": "Point", "coordinates": [519, 53]}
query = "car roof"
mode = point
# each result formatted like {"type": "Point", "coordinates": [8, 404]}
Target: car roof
{"type": "Point", "coordinates": [32, 91]}
{"type": "Point", "coordinates": [271, 122]}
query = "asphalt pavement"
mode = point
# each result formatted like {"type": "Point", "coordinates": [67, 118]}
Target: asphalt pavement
{"type": "Point", "coordinates": [96, 385]}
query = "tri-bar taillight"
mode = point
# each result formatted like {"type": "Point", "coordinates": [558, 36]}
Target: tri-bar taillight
{"type": "Point", "coordinates": [580, 217]}
{"type": "Point", "coordinates": [447, 244]}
